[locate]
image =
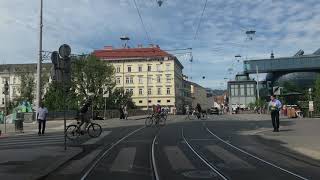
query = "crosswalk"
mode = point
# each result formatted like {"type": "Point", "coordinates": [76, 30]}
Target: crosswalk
{"type": "Point", "coordinates": [57, 138]}
{"type": "Point", "coordinates": [32, 140]}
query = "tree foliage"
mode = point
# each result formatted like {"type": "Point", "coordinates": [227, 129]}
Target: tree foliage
{"type": "Point", "coordinates": [316, 94]}
{"type": "Point", "coordinates": [27, 87]}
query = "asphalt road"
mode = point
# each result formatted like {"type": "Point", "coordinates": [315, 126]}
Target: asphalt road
{"type": "Point", "coordinates": [192, 150]}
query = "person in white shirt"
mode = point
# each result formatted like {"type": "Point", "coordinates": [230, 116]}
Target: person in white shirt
{"type": "Point", "coordinates": [42, 117]}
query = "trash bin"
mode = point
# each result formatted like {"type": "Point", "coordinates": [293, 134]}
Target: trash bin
{"type": "Point", "coordinates": [19, 122]}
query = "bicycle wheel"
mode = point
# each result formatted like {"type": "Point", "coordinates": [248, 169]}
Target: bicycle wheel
{"type": "Point", "coordinates": [94, 130]}
{"type": "Point", "coordinates": [149, 121]}
{"type": "Point", "coordinates": [72, 132]}
{"type": "Point", "coordinates": [204, 116]}
{"type": "Point", "coordinates": [162, 121]}
{"type": "Point", "coordinates": [192, 116]}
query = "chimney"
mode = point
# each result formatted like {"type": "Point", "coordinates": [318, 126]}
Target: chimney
{"type": "Point", "coordinates": [108, 47]}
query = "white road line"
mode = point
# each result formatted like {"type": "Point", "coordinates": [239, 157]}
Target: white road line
{"type": "Point", "coordinates": [32, 142]}
{"type": "Point", "coordinates": [106, 152]}
{"type": "Point", "coordinates": [249, 154]}
{"type": "Point", "coordinates": [202, 159]}
{"type": "Point", "coordinates": [154, 165]}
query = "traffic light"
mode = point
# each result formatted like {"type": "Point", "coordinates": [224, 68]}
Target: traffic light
{"type": "Point", "coordinates": [61, 71]}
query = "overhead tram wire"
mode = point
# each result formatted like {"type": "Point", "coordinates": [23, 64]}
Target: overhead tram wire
{"type": "Point", "coordinates": [197, 30]}
{"type": "Point", "coordinates": [143, 25]}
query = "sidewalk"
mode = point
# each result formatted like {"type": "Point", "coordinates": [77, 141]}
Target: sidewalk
{"type": "Point", "coordinates": [58, 125]}
{"type": "Point", "coordinates": [302, 136]}
{"type": "Point", "coordinates": [33, 163]}
{"type": "Point", "coordinates": [299, 134]}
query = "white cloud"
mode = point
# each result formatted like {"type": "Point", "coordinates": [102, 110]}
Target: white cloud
{"type": "Point", "coordinates": [282, 26]}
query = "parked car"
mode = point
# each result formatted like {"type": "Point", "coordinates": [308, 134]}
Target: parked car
{"type": "Point", "coordinates": [214, 110]}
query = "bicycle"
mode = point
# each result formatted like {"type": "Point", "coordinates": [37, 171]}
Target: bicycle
{"type": "Point", "coordinates": [157, 119]}
{"type": "Point", "coordinates": [192, 115]}
{"type": "Point", "coordinates": [73, 131]}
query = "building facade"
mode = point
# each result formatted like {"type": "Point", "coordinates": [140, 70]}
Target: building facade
{"type": "Point", "coordinates": [12, 74]}
{"type": "Point", "coordinates": [199, 95]}
{"type": "Point", "coordinates": [151, 75]}
{"type": "Point", "coordinates": [242, 91]}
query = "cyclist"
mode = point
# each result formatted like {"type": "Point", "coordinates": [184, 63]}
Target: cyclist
{"type": "Point", "coordinates": [83, 114]}
{"type": "Point", "coordinates": [198, 108]}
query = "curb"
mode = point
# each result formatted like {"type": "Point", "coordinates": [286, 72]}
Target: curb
{"type": "Point", "coordinates": [54, 166]}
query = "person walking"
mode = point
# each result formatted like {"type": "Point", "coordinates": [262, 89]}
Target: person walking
{"type": "Point", "coordinates": [275, 106]}
{"type": "Point", "coordinates": [125, 112]}
{"type": "Point", "coordinates": [42, 118]}
{"type": "Point", "coordinates": [121, 112]}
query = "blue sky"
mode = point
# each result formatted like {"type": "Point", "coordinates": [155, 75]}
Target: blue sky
{"type": "Point", "coordinates": [284, 26]}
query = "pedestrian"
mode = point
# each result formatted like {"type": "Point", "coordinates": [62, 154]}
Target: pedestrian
{"type": "Point", "coordinates": [121, 112]}
{"type": "Point", "coordinates": [275, 106]}
{"type": "Point", "coordinates": [42, 117]}
{"type": "Point", "coordinates": [125, 112]}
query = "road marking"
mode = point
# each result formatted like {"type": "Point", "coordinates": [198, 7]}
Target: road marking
{"type": "Point", "coordinates": [202, 159]}
{"type": "Point", "coordinates": [124, 160]}
{"type": "Point", "coordinates": [94, 140]}
{"type": "Point", "coordinates": [230, 159]}
{"type": "Point", "coordinates": [154, 165]}
{"type": "Point", "coordinates": [177, 158]}
{"type": "Point", "coordinates": [107, 151]}
{"type": "Point", "coordinates": [249, 154]}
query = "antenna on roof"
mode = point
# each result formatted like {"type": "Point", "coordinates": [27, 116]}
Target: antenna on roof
{"type": "Point", "coordinates": [124, 40]}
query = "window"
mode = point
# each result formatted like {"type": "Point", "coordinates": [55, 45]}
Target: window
{"type": "Point", "coordinates": [118, 81]}
{"type": "Point", "coordinates": [168, 67]}
{"type": "Point", "coordinates": [159, 91]}
{"type": "Point", "coordinates": [140, 91]}
{"type": "Point", "coordinates": [2, 100]}
{"type": "Point", "coordinates": [127, 91]}
{"type": "Point", "coordinates": [127, 80]}
{"type": "Point", "coordinates": [129, 68]}
{"type": "Point", "coordinates": [149, 79]}
{"type": "Point", "coordinates": [158, 79]}
{"type": "Point", "coordinates": [140, 80]}
{"type": "Point", "coordinates": [131, 80]}
{"type": "Point", "coordinates": [242, 90]}
{"type": "Point", "coordinates": [250, 90]}
{"type": "Point", "coordinates": [149, 101]}
{"type": "Point", "coordinates": [168, 78]}
{"type": "Point", "coordinates": [118, 69]}
{"type": "Point", "coordinates": [140, 68]}
{"type": "Point", "coordinates": [149, 91]}
{"type": "Point", "coordinates": [140, 101]}
{"type": "Point", "coordinates": [234, 90]}
{"type": "Point", "coordinates": [168, 90]}
{"type": "Point", "coordinates": [131, 91]}
{"type": "Point", "coordinates": [149, 68]}
{"type": "Point", "coordinates": [14, 80]}
{"type": "Point", "coordinates": [158, 67]}
{"type": "Point", "coordinates": [168, 101]}
{"type": "Point", "coordinates": [159, 101]}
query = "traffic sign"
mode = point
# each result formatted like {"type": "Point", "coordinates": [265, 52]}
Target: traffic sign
{"type": "Point", "coordinates": [311, 109]}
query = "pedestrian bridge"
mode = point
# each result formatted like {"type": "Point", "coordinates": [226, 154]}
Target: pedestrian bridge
{"type": "Point", "coordinates": [286, 64]}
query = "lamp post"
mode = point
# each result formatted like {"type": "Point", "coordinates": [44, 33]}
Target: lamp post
{"type": "Point", "coordinates": [38, 91]}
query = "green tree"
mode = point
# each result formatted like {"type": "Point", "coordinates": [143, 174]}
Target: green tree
{"type": "Point", "coordinates": [27, 87]}
{"type": "Point", "coordinates": [91, 75]}
{"type": "Point", "coordinates": [316, 94]}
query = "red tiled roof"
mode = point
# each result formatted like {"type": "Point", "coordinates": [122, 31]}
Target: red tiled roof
{"type": "Point", "coordinates": [130, 53]}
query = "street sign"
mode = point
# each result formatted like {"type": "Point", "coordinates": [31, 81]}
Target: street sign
{"type": "Point", "coordinates": [311, 109]}
{"type": "Point", "coordinates": [277, 90]}
{"type": "Point", "coordinates": [64, 50]}
{"type": "Point", "coordinates": [106, 95]}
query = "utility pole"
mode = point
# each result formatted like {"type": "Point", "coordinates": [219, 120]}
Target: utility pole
{"type": "Point", "coordinates": [38, 91]}
{"type": "Point", "coordinates": [258, 94]}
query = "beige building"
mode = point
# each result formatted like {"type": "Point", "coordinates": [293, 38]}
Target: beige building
{"type": "Point", "coordinates": [152, 75]}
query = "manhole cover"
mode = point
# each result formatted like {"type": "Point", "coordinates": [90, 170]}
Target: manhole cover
{"type": "Point", "coordinates": [204, 174]}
